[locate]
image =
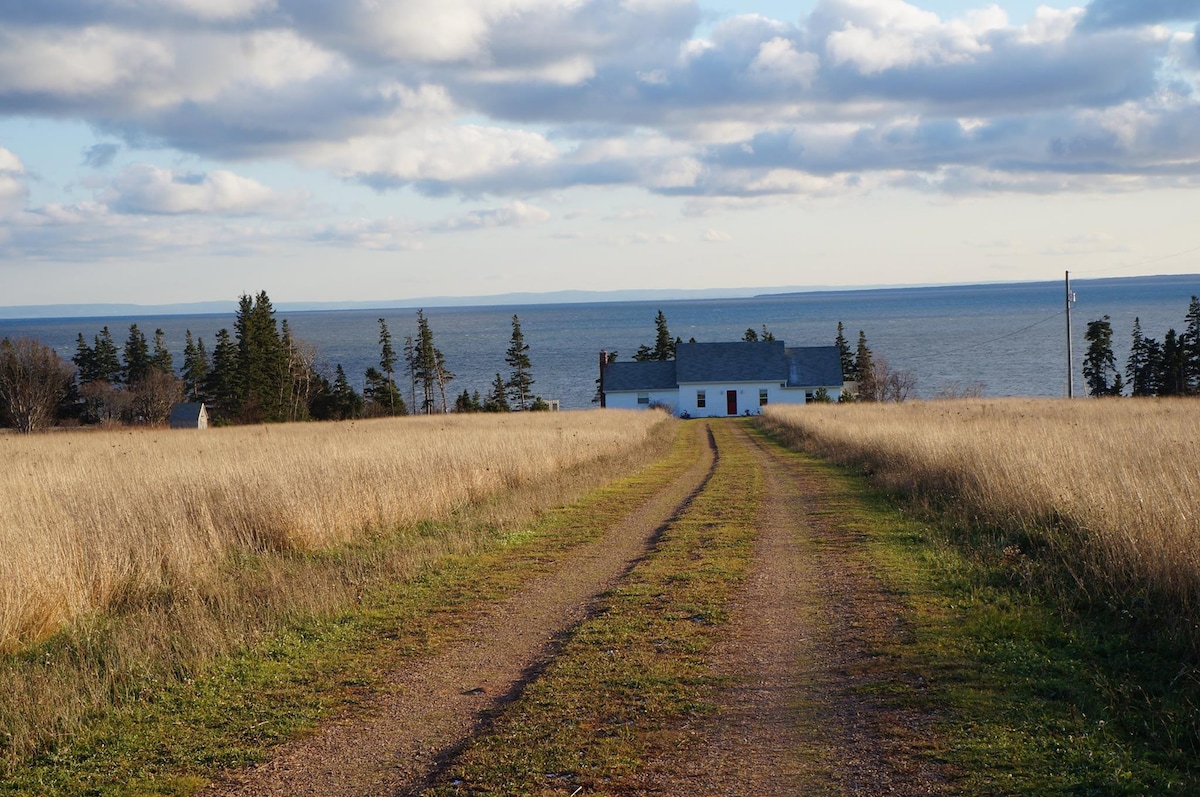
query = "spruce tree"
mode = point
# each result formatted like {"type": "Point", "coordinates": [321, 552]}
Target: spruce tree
{"type": "Point", "coordinates": [347, 403]}
{"type": "Point", "coordinates": [108, 363]}
{"type": "Point", "coordinates": [750, 336]}
{"type": "Point", "coordinates": [664, 344]}
{"type": "Point", "coordinates": [381, 394]}
{"type": "Point", "coordinates": [497, 400]}
{"type": "Point", "coordinates": [387, 363]}
{"type": "Point", "coordinates": [444, 377]}
{"type": "Point", "coordinates": [85, 361]}
{"type": "Point", "coordinates": [468, 402]}
{"type": "Point", "coordinates": [864, 370]}
{"type": "Point", "coordinates": [1171, 380]}
{"type": "Point", "coordinates": [425, 365]}
{"type": "Point", "coordinates": [520, 380]}
{"type": "Point", "coordinates": [1099, 365]}
{"type": "Point", "coordinates": [843, 347]}
{"type": "Point", "coordinates": [161, 360]}
{"type": "Point", "coordinates": [263, 379]}
{"type": "Point", "coordinates": [137, 357]}
{"type": "Point", "coordinates": [1138, 372]}
{"type": "Point", "coordinates": [1190, 346]}
{"type": "Point", "coordinates": [221, 385]}
{"type": "Point", "coordinates": [410, 367]}
{"type": "Point", "coordinates": [195, 367]}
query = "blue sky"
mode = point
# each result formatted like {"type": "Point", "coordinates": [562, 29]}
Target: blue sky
{"type": "Point", "coordinates": [184, 150]}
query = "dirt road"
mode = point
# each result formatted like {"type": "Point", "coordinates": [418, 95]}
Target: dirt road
{"type": "Point", "coordinates": [792, 717]}
{"type": "Point", "coordinates": [798, 655]}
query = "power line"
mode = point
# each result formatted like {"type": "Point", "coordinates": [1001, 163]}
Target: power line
{"type": "Point", "coordinates": [1015, 332]}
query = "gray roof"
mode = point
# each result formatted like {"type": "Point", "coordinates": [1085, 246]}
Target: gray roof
{"type": "Point", "coordinates": [762, 361]}
{"type": "Point", "coordinates": [701, 363]}
{"type": "Point", "coordinates": [187, 412]}
{"type": "Point", "coordinates": [650, 375]}
{"type": "Point", "coordinates": [814, 366]}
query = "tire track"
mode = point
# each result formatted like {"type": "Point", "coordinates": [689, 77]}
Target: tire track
{"type": "Point", "coordinates": [432, 706]}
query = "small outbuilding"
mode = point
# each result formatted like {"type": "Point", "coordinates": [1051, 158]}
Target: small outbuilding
{"type": "Point", "coordinates": [189, 415]}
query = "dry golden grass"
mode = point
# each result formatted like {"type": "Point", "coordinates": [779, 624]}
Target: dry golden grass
{"type": "Point", "coordinates": [1110, 488]}
{"type": "Point", "coordinates": [91, 522]}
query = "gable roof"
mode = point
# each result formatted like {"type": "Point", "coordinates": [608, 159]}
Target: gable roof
{"type": "Point", "coordinates": [707, 363]}
{"type": "Point", "coordinates": [814, 366]}
{"type": "Point", "coordinates": [188, 412]}
{"type": "Point", "coordinates": [761, 361]}
{"type": "Point", "coordinates": [633, 375]}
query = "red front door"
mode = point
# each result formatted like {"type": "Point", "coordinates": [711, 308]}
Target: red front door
{"type": "Point", "coordinates": [731, 402]}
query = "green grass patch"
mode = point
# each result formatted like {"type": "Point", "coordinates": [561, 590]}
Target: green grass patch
{"type": "Point", "coordinates": [168, 732]}
{"type": "Point", "coordinates": [1025, 694]}
{"type": "Point", "coordinates": [628, 677]}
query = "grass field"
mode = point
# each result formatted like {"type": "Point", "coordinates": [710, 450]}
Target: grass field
{"type": "Point", "coordinates": [1107, 490]}
{"type": "Point", "coordinates": [1087, 507]}
{"type": "Point", "coordinates": [89, 521]}
{"type": "Point", "coordinates": [132, 560]}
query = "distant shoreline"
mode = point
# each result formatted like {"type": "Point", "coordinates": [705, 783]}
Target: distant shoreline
{"type": "Point", "coordinates": [130, 310]}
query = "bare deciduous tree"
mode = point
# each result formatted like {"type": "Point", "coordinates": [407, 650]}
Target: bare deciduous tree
{"type": "Point", "coordinates": [957, 390]}
{"type": "Point", "coordinates": [154, 396]}
{"type": "Point", "coordinates": [33, 382]}
{"type": "Point", "coordinates": [888, 384]}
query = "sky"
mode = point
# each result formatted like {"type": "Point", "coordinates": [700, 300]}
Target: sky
{"type": "Point", "coordinates": [157, 151]}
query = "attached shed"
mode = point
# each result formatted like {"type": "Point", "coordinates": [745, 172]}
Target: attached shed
{"type": "Point", "coordinates": [719, 379]}
{"type": "Point", "coordinates": [189, 415]}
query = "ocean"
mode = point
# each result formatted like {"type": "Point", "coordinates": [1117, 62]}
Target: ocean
{"type": "Point", "coordinates": [1009, 337]}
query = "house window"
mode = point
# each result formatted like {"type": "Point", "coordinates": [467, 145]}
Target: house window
{"type": "Point", "coordinates": [762, 397]}
{"type": "Point", "coordinates": [643, 398]}
{"type": "Point", "coordinates": [699, 399]}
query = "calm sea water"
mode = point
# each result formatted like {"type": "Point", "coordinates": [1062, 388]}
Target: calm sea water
{"type": "Point", "coordinates": [1012, 338]}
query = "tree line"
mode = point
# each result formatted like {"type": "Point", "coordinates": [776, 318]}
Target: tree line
{"type": "Point", "coordinates": [258, 373]}
{"type": "Point", "coordinates": [1167, 368]}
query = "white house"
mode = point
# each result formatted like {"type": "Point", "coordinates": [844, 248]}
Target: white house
{"type": "Point", "coordinates": [719, 379]}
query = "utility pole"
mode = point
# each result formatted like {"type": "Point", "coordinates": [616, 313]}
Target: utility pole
{"type": "Point", "coordinates": [1070, 367]}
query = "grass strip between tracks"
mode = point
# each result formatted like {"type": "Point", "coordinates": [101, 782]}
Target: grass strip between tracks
{"type": "Point", "coordinates": [173, 735]}
{"type": "Point", "coordinates": [630, 676]}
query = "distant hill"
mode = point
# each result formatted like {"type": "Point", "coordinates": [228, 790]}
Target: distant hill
{"type": "Point", "coordinates": [526, 298]}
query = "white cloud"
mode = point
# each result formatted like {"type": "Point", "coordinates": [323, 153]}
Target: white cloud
{"type": "Point", "coordinates": [513, 214]}
{"type": "Point", "coordinates": [632, 214]}
{"type": "Point", "coordinates": [143, 188]}
{"type": "Point", "coordinates": [77, 63]}
{"type": "Point", "coordinates": [716, 236]}
{"type": "Point", "coordinates": [515, 98]}
{"type": "Point", "coordinates": [566, 72]}
{"type": "Point", "coordinates": [13, 191]}
{"type": "Point", "coordinates": [877, 35]}
{"type": "Point", "coordinates": [442, 154]}
{"type": "Point", "coordinates": [205, 10]}
{"type": "Point", "coordinates": [676, 173]}
{"type": "Point", "coordinates": [387, 234]}
{"type": "Point", "coordinates": [9, 162]}
{"type": "Point", "coordinates": [778, 59]}
{"type": "Point", "coordinates": [1050, 25]}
